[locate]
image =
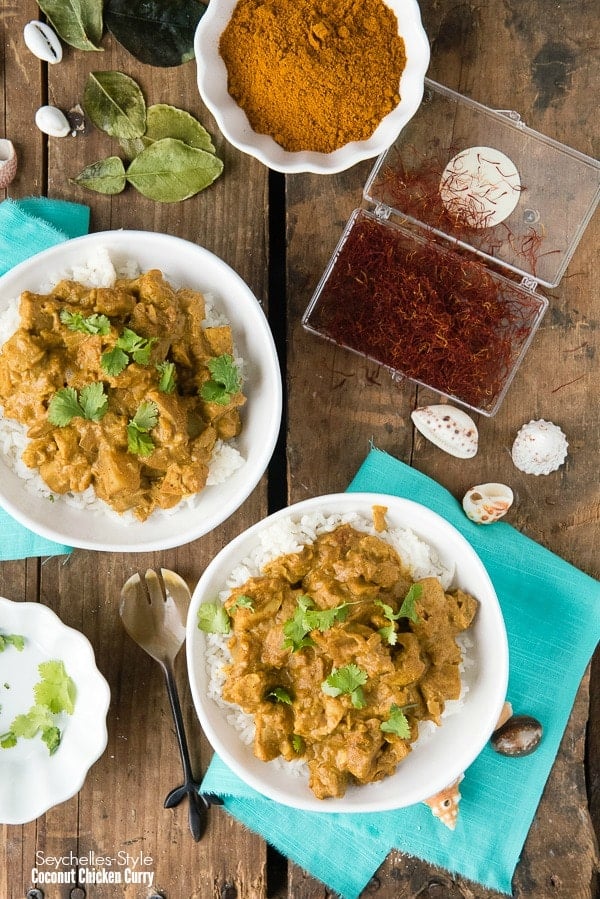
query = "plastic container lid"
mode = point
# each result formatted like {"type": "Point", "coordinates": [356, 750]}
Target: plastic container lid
{"type": "Point", "coordinates": [482, 179]}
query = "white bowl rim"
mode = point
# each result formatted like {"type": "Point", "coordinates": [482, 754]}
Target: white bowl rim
{"type": "Point", "coordinates": [154, 534]}
{"type": "Point", "coordinates": [357, 799]}
{"type": "Point", "coordinates": [262, 146]}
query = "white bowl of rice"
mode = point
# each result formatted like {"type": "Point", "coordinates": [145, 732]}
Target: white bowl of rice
{"type": "Point", "coordinates": [82, 520]}
{"type": "Point", "coordinates": [431, 547]}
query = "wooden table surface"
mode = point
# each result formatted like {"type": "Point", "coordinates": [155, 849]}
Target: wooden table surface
{"type": "Point", "coordinates": [538, 58]}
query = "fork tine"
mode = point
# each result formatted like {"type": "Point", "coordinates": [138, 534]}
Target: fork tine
{"type": "Point", "coordinates": [154, 586]}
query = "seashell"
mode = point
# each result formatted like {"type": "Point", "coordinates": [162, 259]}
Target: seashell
{"type": "Point", "coordinates": [8, 162]}
{"type": "Point", "coordinates": [486, 503]}
{"type": "Point", "coordinates": [444, 805]}
{"type": "Point", "coordinates": [520, 735]}
{"type": "Point", "coordinates": [539, 448]}
{"type": "Point", "coordinates": [448, 428]}
{"type": "Point", "coordinates": [43, 41]}
{"type": "Point", "coordinates": [52, 121]}
{"type": "Point", "coordinates": [505, 713]}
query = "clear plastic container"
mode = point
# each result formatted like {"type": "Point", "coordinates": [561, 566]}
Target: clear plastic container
{"type": "Point", "coordinates": [463, 188]}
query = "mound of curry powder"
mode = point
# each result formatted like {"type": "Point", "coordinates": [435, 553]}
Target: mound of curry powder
{"type": "Point", "coordinates": [314, 74]}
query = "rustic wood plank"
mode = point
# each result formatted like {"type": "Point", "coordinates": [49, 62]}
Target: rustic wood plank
{"type": "Point", "coordinates": [508, 58]}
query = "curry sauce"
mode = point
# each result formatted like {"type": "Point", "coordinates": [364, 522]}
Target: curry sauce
{"type": "Point", "coordinates": [333, 662]}
{"type": "Point", "coordinates": [118, 391]}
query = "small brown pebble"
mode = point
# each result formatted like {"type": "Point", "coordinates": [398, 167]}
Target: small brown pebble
{"type": "Point", "coordinates": [520, 735]}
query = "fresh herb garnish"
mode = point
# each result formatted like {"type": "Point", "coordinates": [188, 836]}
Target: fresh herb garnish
{"type": "Point", "coordinates": [242, 602]}
{"type": "Point", "coordinates": [66, 404]}
{"type": "Point", "coordinates": [406, 610]}
{"type": "Point", "coordinates": [298, 744]}
{"type": "Point", "coordinates": [130, 347]}
{"type": "Point", "coordinates": [225, 380]}
{"type": "Point", "coordinates": [54, 693]}
{"type": "Point", "coordinates": [213, 618]}
{"type": "Point", "coordinates": [347, 680]}
{"type": "Point", "coordinates": [138, 437]}
{"type": "Point", "coordinates": [278, 694]}
{"type": "Point", "coordinates": [15, 640]}
{"type": "Point", "coordinates": [86, 324]}
{"type": "Point", "coordinates": [167, 380]}
{"type": "Point", "coordinates": [306, 619]}
{"type": "Point", "coordinates": [397, 723]}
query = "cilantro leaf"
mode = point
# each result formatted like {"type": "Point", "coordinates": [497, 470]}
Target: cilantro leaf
{"type": "Point", "coordinates": [114, 361]}
{"type": "Point", "coordinates": [407, 609]}
{"type": "Point", "coordinates": [242, 602]}
{"type": "Point", "coordinates": [63, 406]}
{"type": "Point", "coordinates": [347, 680]}
{"type": "Point", "coordinates": [51, 736]}
{"type": "Point", "coordinates": [8, 740]}
{"type": "Point", "coordinates": [278, 694]}
{"type": "Point", "coordinates": [27, 726]}
{"type": "Point", "coordinates": [93, 401]}
{"type": "Point", "coordinates": [397, 723]}
{"type": "Point", "coordinates": [298, 744]}
{"type": "Point", "coordinates": [224, 382]}
{"type": "Point", "coordinates": [213, 618]}
{"type": "Point", "coordinates": [307, 619]}
{"type": "Point", "coordinates": [15, 640]}
{"type": "Point", "coordinates": [137, 347]}
{"type": "Point", "coordinates": [138, 438]}
{"type": "Point", "coordinates": [90, 324]}
{"type": "Point", "coordinates": [167, 380]}
{"type": "Point", "coordinates": [56, 690]}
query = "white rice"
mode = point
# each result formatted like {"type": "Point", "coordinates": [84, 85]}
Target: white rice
{"type": "Point", "coordinates": [290, 536]}
{"type": "Point", "coordinates": [97, 270]}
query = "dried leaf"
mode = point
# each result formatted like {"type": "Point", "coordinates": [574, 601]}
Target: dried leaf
{"type": "Point", "coordinates": [115, 104]}
{"type": "Point", "coordinates": [157, 32]}
{"type": "Point", "coordinates": [169, 170]}
{"type": "Point", "coordinates": [78, 22]}
{"type": "Point", "coordinates": [162, 121]}
{"type": "Point", "coordinates": [105, 177]}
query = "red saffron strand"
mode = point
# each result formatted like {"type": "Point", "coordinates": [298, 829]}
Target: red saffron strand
{"type": "Point", "coordinates": [435, 316]}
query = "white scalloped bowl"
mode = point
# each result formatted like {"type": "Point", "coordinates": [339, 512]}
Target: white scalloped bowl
{"type": "Point", "coordinates": [34, 781]}
{"type": "Point", "coordinates": [184, 264]}
{"type": "Point", "coordinates": [234, 124]}
{"type": "Point", "coordinates": [445, 753]}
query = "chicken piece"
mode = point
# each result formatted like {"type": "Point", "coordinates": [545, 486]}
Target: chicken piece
{"type": "Point", "coordinates": [273, 731]}
{"type": "Point", "coordinates": [116, 475]}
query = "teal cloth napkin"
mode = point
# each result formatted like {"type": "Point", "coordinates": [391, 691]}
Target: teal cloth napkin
{"type": "Point", "coordinates": [552, 615]}
{"type": "Point", "coordinates": [26, 227]}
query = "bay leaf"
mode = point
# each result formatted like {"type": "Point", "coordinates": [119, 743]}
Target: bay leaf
{"type": "Point", "coordinates": [168, 170]}
{"type": "Point", "coordinates": [115, 104]}
{"type": "Point", "coordinates": [78, 22]}
{"type": "Point", "coordinates": [107, 176]}
{"type": "Point", "coordinates": [157, 32]}
{"type": "Point", "coordinates": [162, 121]}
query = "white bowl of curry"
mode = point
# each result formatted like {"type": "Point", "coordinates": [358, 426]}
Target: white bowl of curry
{"type": "Point", "coordinates": [307, 88]}
{"type": "Point", "coordinates": [138, 413]}
{"type": "Point", "coordinates": [348, 653]}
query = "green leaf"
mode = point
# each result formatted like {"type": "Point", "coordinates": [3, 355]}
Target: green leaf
{"type": "Point", "coordinates": [77, 22]}
{"type": "Point", "coordinates": [168, 170]}
{"type": "Point", "coordinates": [115, 104]}
{"type": "Point", "coordinates": [51, 737]}
{"type": "Point", "coordinates": [163, 121]}
{"type": "Point", "coordinates": [225, 380]}
{"type": "Point", "coordinates": [146, 416]}
{"type": "Point", "coordinates": [155, 32]}
{"type": "Point", "coordinates": [298, 744]}
{"type": "Point", "coordinates": [8, 740]}
{"type": "Point", "coordinates": [93, 401]}
{"type": "Point", "coordinates": [137, 347]}
{"type": "Point", "coordinates": [347, 680]}
{"type": "Point", "coordinates": [90, 324]}
{"type": "Point", "coordinates": [278, 694]}
{"type": "Point", "coordinates": [15, 640]}
{"type": "Point", "coordinates": [397, 723]}
{"type": "Point", "coordinates": [114, 361]}
{"type": "Point", "coordinates": [56, 689]}
{"type": "Point", "coordinates": [242, 602]}
{"type": "Point", "coordinates": [168, 378]}
{"type": "Point", "coordinates": [407, 609]}
{"type": "Point", "coordinates": [139, 441]}
{"type": "Point", "coordinates": [105, 177]}
{"type": "Point", "coordinates": [213, 618]}
{"type": "Point", "coordinates": [63, 406]}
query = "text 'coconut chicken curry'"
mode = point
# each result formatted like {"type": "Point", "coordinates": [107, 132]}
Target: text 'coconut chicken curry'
{"type": "Point", "coordinates": [121, 388]}
{"type": "Point", "coordinates": [338, 655]}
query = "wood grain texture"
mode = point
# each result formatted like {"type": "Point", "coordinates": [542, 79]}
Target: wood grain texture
{"type": "Point", "coordinates": [539, 60]}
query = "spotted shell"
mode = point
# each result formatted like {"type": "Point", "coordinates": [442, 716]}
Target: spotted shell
{"type": "Point", "coordinates": [451, 429]}
{"type": "Point", "coordinates": [444, 805]}
{"type": "Point", "coordinates": [539, 448]}
{"type": "Point", "coordinates": [486, 503]}
{"type": "Point", "coordinates": [8, 162]}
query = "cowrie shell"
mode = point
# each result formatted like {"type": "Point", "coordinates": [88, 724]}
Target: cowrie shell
{"type": "Point", "coordinates": [42, 41]}
{"type": "Point", "coordinates": [449, 428]}
{"type": "Point", "coordinates": [52, 121]}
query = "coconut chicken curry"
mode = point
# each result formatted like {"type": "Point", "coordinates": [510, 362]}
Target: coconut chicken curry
{"type": "Point", "coordinates": [122, 389]}
{"type": "Point", "coordinates": [338, 655]}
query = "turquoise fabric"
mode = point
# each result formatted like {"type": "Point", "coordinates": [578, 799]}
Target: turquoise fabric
{"type": "Point", "coordinates": [27, 227]}
{"type": "Point", "coordinates": [552, 615]}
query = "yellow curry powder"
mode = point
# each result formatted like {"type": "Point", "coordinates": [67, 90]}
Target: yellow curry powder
{"type": "Point", "coordinates": [314, 74]}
